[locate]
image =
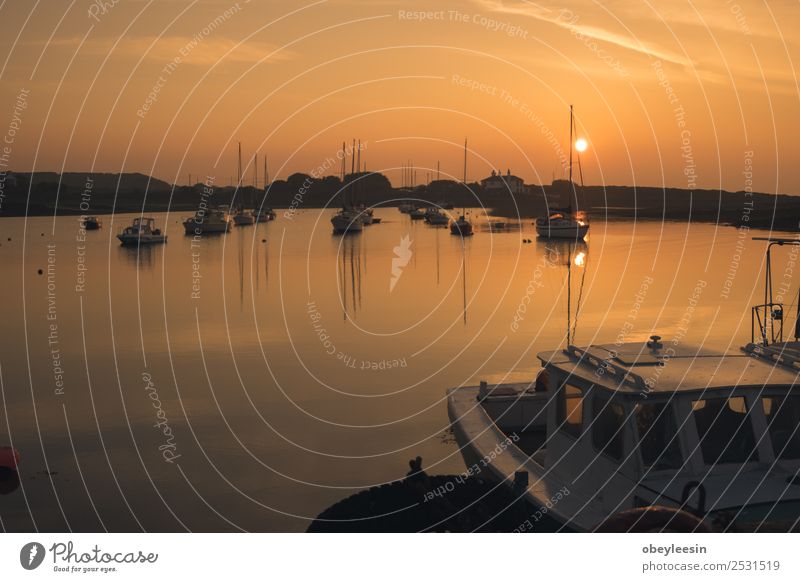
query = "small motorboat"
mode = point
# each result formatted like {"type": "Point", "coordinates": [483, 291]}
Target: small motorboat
{"type": "Point", "coordinates": [92, 223]}
{"type": "Point", "coordinates": [417, 214]}
{"type": "Point", "coordinates": [244, 218]}
{"type": "Point", "coordinates": [435, 217]}
{"type": "Point", "coordinates": [461, 227]}
{"type": "Point", "coordinates": [367, 217]}
{"type": "Point", "coordinates": [205, 221]}
{"type": "Point", "coordinates": [347, 221]}
{"type": "Point", "coordinates": [142, 232]}
{"type": "Point", "coordinates": [407, 207]}
{"type": "Point", "coordinates": [264, 214]}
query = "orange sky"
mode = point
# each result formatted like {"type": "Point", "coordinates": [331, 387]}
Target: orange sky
{"type": "Point", "coordinates": [666, 93]}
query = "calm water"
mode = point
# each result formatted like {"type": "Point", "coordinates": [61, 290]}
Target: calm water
{"type": "Point", "coordinates": [250, 381]}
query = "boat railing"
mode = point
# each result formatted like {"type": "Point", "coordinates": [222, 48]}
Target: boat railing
{"type": "Point", "coordinates": [607, 367]}
{"type": "Point", "coordinates": [766, 323]}
{"type": "Point", "coordinates": [780, 354]}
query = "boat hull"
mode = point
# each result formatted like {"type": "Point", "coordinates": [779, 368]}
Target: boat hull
{"type": "Point", "coordinates": [191, 227]}
{"type": "Point", "coordinates": [458, 229]}
{"type": "Point", "coordinates": [133, 240]}
{"type": "Point", "coordinates": [563, 232]}
{"type": "Point", "coordinates": [346, 225]}
{"type": "Point", "coordinates": [244, 220]}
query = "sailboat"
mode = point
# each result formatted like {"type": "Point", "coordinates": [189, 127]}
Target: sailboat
{"type": "Point", "coordinates": [242, 217]}
{"type": "Point", "coordinates": [347, 220]}
{"type": "Point", "coordinates": [264, 213]}
{"type": "Point", "coordinates": [462, 226]}
{"type": "Point", "coordinates": [562, 223]}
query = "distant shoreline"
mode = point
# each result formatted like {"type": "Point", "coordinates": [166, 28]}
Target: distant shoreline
{"type": "Point", "coordinates": [102, 194]}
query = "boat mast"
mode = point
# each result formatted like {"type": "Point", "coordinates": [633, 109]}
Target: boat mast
{"type": "Point", "coordinates": [352, 168]}
{"type": "Point", "coordinates": [239, 175]}
{"type": "Point", "coordinates": [465, 160]}
{"type": "Point", "coordinates": [571, 185]}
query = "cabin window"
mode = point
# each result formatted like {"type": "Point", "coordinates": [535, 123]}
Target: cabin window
{"type": "Point", "coordinates": [569, 411]}
{"type": "Point", "coordinates": [607, 426]}
{"type": "Point", "coordinates": [725, 431]}
{"type": "Point", "coordinates": [658, 439]}
{"type": "Point", "coordinates": [783, 420]}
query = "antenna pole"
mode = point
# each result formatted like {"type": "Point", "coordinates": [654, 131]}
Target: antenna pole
{"type": "Point", "coordinates": [465, 160]}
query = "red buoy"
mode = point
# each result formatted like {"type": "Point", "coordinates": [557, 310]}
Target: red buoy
{"type": "Point", "coordinates": [9, 457]}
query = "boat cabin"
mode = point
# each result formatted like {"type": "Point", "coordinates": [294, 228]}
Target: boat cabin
{"type": "Point", "coordinates": [648, 409]}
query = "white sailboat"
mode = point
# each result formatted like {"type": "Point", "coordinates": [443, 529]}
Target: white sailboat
{"type": "Point", "coordinates": [563, 223]}
{"type": "Point", "coordinates": [462, 227]}
{"type": "Point", "coordinates": [347, 220]}
{"type": "Point", "coordinates": [243, 217]}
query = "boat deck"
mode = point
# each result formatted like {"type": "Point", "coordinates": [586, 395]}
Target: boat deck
{"type": "Point", "coordinates": [468, 417]}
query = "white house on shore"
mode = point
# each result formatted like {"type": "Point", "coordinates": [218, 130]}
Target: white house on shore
{"type": "Point", "coordinates": [508, 183]}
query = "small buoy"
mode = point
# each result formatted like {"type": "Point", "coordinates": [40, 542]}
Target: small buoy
{"type": "Point", "coordinates": [40, 271]}
{"type": "Point", "coordinates": [263, 240]}
{"type": "Point", "coordinates": [9, 457]}
{"type": "Point", "coordinates": [9, 239]}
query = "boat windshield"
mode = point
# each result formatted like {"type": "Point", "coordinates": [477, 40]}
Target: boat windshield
{"type": "Point", "coordinates": [783, 419]}
{"type": "Point", "coordinates": [658, 437]}
{"type": "Point", "coordinates": [725, 430]}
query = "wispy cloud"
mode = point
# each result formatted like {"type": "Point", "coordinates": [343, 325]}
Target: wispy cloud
{"type": "Point", "coordinates": [190, 51]}
{"type": "Point", "coordinates": [571, 21]}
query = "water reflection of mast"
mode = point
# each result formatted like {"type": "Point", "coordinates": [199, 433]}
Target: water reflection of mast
{"type": "Point", "coordinates": [241, 271]}
{"type": "Point", "coordinates": [351, 261]}
{"type": "Point", "coordinates": [578, 258]}
{"type": "Point", "coordinates": [464, 278]}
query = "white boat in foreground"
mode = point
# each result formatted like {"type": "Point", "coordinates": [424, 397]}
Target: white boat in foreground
{"type": "Point", "coordinates": [613, 432]}
{"type": "Point", "coordinates": [142, 232]}
{"type": "Point", "coordinates": [715, 435]}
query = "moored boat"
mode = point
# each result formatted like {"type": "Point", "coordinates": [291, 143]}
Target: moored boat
{"type": "Point", "coordinates": [142, 232]}
{"type": "Point", "coordinates": [417, 214]}
{"type": "Point", "coordinates": [347, 221]}
{"type": "Point", "coordinates": [563, 223]}
{"type": "Point", "coordinates": [560, 225]}
{"type": "Point", "coordinates": [244, 218]}
{"type": "Point", "coordinates": [620, 429]}
{"type": "Point", "coordinates": [461, 227]}
{"type": "Point", "coordinates": [207, 220]}
{"type": "Point", "coordinates": [264, 214]}
{"type": "Point", "coordinates": [92, 223]}
{"type": "Point", "coordinates": [407, 207]}
{"type": "Point", "coordinates": [436, 217]}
